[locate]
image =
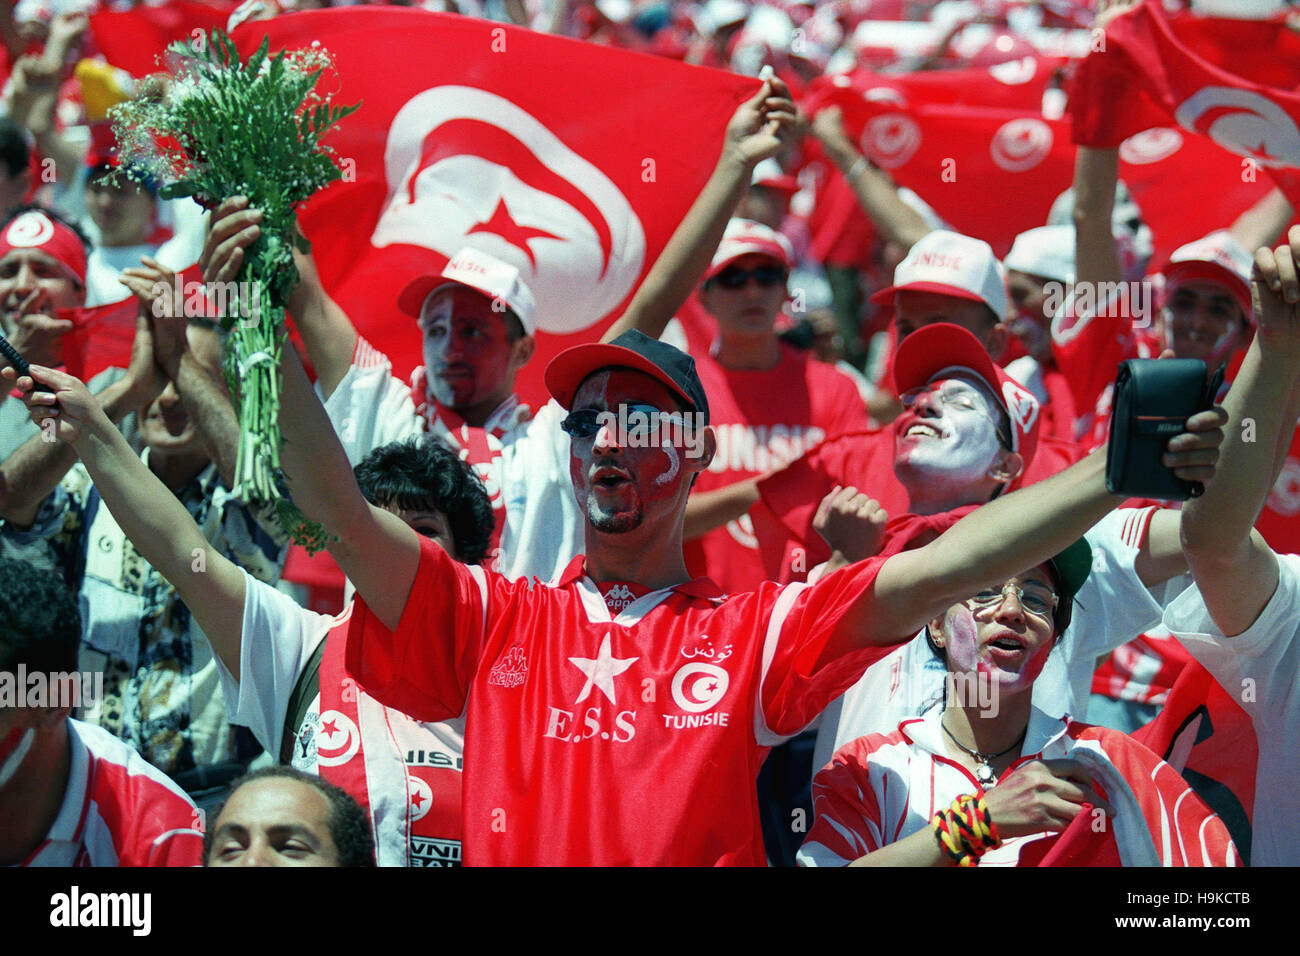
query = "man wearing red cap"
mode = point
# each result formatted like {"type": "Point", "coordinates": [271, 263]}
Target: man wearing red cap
{"type": "Point", "coordinates": [476, 318]}
{"type": "Point", "coordinates": [676, 695]}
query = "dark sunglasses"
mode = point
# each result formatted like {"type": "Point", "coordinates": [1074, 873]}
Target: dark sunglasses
{"type": "Point", "coordinates": [585, 422]}
{"type": "Point", "coordinates": [734, 277]}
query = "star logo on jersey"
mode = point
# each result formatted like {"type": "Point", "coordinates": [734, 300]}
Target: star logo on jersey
{"type": "Point", "coordinates": [337, 739]}
{"type": "Point", "coordinates": [420, 795]}
{"type": "Point", "coordinates": [601, 671]}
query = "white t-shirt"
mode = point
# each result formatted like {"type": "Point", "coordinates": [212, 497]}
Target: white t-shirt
{"type": "Point", "coordinates": [279, 640]}
{"type": "Point", "coordinates": [1112, 607]}
{"type": "Point", "coordinates": [543, 527]}
{"type": "Point", "coordinates": [1268, 655]}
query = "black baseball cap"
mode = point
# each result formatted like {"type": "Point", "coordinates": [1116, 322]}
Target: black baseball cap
{"type": "Point", "coordinates": [1074, 565]}
{"type": "Point", "coordinates": [634, 350]}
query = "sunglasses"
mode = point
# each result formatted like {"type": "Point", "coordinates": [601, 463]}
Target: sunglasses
{"type": "Point", "coordinates": [734, 277]}
{"type": "Point", "coordinates": [637, 420]}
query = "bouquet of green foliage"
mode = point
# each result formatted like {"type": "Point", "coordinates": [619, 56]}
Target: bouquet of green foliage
{"type": "Point", "coordinates": [223, 128]}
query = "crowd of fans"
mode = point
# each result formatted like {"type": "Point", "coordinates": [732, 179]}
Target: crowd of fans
{"type": "Point", "coordinates": [850, 589]}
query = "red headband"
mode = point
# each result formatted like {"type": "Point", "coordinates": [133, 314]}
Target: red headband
{"type": "Point", "coordinates": [35, 230]}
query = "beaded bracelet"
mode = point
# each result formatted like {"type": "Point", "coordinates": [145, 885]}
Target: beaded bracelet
{"type": "Point", "coordinates": [965, 830]}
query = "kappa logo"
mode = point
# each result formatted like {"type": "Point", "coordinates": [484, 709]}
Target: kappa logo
{"type": "Point", "coordinates": [1022, 405]}
{"type": "Point", "coordinates": [1021, 144]}
{"type": "Point", "coordinates": [891, 139]}
{"type": "Point", "coordinates": [511, 669]}
{"type": "Point", "coordinates": [337, 739]}
{"type": "Point", "coordinates": [1285, 496]}
{"type": "Point", "coordinates": [515, 192]}
{"type": "Point", "coordinates": [619, 597]}
{"type": "Point", "coordinates": [1151, 145]}
{"type": "Point", "coordinates": [1244, 122]}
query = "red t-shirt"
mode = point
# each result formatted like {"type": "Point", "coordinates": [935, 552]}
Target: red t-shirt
{"type": "Point", "coordinates": [599, 740]}
{"type": "Point", "coordinates": [764, 419]}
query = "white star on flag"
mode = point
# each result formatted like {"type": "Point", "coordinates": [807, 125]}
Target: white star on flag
{"type": "Point", "coordinates": [601, 671]}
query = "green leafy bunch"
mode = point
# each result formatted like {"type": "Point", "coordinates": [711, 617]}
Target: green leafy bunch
{"type": "Point", "coordinates": [218, 128]}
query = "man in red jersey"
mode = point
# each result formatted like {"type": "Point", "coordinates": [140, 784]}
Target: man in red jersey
{"type": "Point", "coordinates": [595, 737]}
{"type": "Point", "coordinates": [71, 794]}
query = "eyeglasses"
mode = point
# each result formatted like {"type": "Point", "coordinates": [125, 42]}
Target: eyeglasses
{"type": "Point", "coordinates": [1038, 599]}
{"type": "Point", "coordinates": [955, 395]}
{"type": "Point", "coordinates": [634, 421]}
{"type": "Point", "coordinates": [734, 277]}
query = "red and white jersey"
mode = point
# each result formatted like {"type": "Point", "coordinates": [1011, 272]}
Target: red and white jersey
{"type": "Point", "coordinates": [404, 773]}
{"type": "Point", "coordinates": [1260, 669]}
{"type": "Point", "coordinates": [764, 419]}
{"type": "Point", "coordinates": [595, 739]}
{"type": "Point", "coordinates": [522, 459]}
{"type": "Point", "coordinates": [882, 788]}
{"type": "Point", "coordinates": [118, 810]}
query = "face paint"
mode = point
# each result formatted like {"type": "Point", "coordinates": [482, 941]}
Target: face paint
{"type": "Point", "coordinates": [12, 751]}
{"type": "Point", "coordinates": [946, 449]}
{"type": "Point", "coordinates": [961, 642]}
{"type": "Point", "coordinates": [674, 465]}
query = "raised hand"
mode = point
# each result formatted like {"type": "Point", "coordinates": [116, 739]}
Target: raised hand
{"type": "Point", "coordinates": [231, 230]}
{"type": "Point", "coordinates": [763, 124]}
{"type": "Point", "coordinates": [162, 304]}
{"type": "Point", "coordinates": [852, 523]}
{"type": "Point", "coordinates": [69, 404]}
{"type": "Point", "coordinates": [1275, 290]}
{"type": "Point", "coordinates": [1041, 796]}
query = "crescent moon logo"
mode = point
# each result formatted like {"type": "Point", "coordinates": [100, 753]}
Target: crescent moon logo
{"type": "Point", "coordinates": [1151, 145]}
{"type": "Point", "coordinates": [29, 229]}
{"type": "Point", "coordinates": [1015, 72]}
{"type": "Point", "coordinates": [466, 167]}
{"type": "Point", "coordinates": [742, 531]}
{"type": "Point", "coordinates": [337, 739]}
{"type": "Point", "coordinates": [1021, 144]}
{"type": "Point", "coordinates": [891, 139]}
{"type": "Point", "coordinates": [1243, 122]}
{"type": "Point", "coordinates": [698, 687]}
{"type": "Point", "coordinates": [1023, 406]}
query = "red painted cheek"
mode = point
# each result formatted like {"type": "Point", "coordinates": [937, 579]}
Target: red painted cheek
{"type": "Point", "coordinates": [663, 473]}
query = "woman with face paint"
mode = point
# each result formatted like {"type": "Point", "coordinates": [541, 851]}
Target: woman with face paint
{"type": "Point", "coordinates": [984, 777]}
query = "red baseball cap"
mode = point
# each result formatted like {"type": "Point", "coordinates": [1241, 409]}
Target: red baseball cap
{"type": "Point", "coordinates": [745, 237]}
{"type": "Point", "coordinates": [933, 350]}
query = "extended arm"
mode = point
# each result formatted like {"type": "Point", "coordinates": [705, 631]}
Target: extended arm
{"type": "Point", "coordinates": [1235, 570]}
{"type": "Point", "coordinates": [757, 130]}
{"type": "Point", "coordinates": [375, 549]}
{"type": "Point", "coordinates": [706, 510]}
{"type": "Point", "coordinates": [872, 186]}
{"type": "Point", "coordinates": [164, 533]}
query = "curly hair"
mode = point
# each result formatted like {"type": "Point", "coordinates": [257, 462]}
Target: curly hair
{"type": "Point", "coordinates": [349, 828]}
{"type": "Point", "coordinates": [423, 474]}
{"type": "Point", "coordinates": [40, 626]}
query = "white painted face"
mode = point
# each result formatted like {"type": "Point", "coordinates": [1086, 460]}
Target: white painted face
{"type": "Point", "coordinates": [946, 446]}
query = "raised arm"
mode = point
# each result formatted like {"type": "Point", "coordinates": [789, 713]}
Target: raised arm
{"type": "Point", "coordinates": [326, 330]}
{"type": "Point", "coordinates": [872, 186]}
{"type": "Point", "coordinates": [375, 549]}
{"type": "Point", "coordinates": [34, 470]}
{"type": "Point", "coordinates": [1235, 570]}
{"type": "Point", "coordinates": [759, 127]}
{"type": "Point", "coordinates": [1005, 536]}
{"type": "Point", "coordinates": [158, 525]}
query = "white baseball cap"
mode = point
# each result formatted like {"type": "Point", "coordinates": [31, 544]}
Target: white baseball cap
{"type": "Point", "coordinates": [950, 264]}
{"type": "Point", "coordinates": [478, 271]}
{"type": "Point", "coordinates": [743, 237]}
{"type": "Point", "coordinates": [1047, 251]}
{"type": "Point", "coordinates": [1217, 257]}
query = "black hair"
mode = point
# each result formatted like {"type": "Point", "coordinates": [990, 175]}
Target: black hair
{"type": "Point", "coordinates": [349, 827]}
{"type": "Point", "coordinates": [15, 149]}
{"type": "Point", "coordinates": [423, 474]}
{"type": "Point", "coordinates": [13, 212]}
{"type": "Point", "coordinates": [40, 626]}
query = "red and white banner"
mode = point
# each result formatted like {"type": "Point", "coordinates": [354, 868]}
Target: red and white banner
{"type": "Point", "coordinates": [133, 39]}
{"type": "Point", "coordinates": [570, 161]}
{"type": "Point", "coordinates": [993, 171]}
{"type": "Point", "coordinates": [1233, 81]}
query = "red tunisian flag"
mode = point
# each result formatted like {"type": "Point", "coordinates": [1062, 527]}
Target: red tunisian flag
{"type": "Point", "coordinates": [1231, 80]}
{"type": "Point", "coordinates": [570, 161]}
{"type": "Point", "coordinates": [132, 40]}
